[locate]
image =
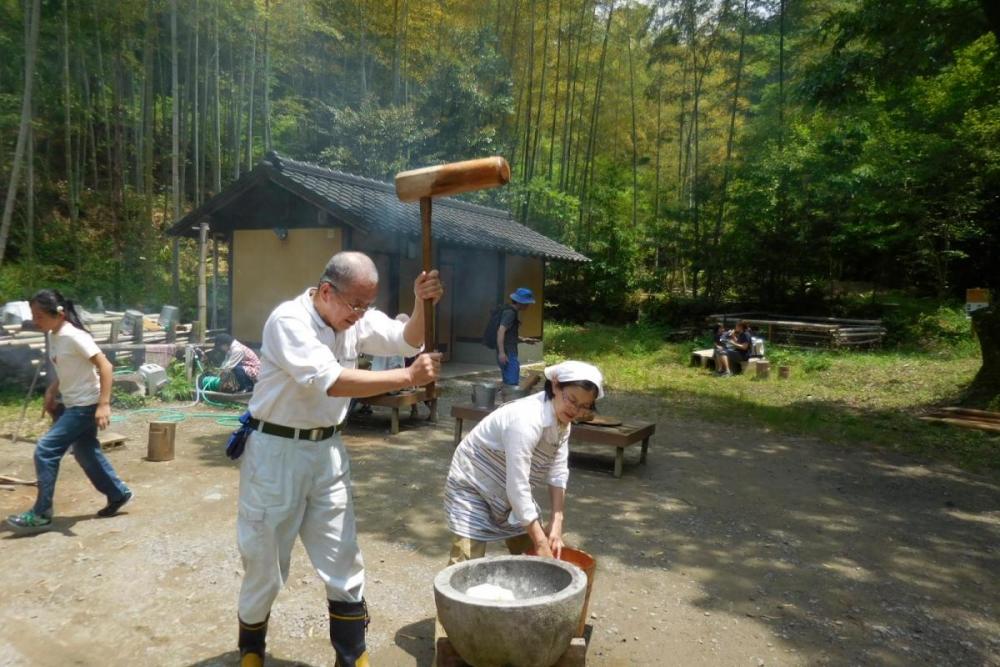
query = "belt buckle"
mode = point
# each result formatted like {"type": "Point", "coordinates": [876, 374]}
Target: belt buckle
{"type": "Point", "coordinates": [316, 434]}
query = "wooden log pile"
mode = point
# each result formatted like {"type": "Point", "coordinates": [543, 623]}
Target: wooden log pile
{"type": "Point", "coordinates": [808, 331]}
{"type": "Point", "coordinates": [981, 420]}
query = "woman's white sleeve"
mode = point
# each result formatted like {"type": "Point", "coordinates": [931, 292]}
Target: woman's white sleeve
{"type": "Point", "coordinates": [519, 443]}
{"type": "Point", "coordinates": [559, 471]}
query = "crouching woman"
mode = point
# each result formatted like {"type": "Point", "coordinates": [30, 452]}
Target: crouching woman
{"type": "Point", "coordinates": [488, 493]}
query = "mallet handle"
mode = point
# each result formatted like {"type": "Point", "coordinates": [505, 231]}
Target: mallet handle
{"type": "Point", "coordinates": [429, 341]}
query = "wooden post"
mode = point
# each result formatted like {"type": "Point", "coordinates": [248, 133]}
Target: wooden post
{"type": "Point", "coordinates": [139, 349]}
{"type": "Point", "coordinates": [784, 372]}
{"type": "Point", "coordinates": [197, 332]}
{"type": "Point", "coordinates": [215, 282]}
{"type": "Point", "coordinates": [202, 297]}
{"type": "Point", "coordinates": [116, 328]}
{"type": "Point", "coordinates": [763, 370]}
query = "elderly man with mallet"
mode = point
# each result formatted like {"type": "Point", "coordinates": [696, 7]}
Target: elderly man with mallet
{"type": "Point", "coordinates": [295, 472]}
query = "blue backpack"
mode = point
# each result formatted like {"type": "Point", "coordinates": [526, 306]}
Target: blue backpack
{"type": "Point", "coordinates": [490, 332]}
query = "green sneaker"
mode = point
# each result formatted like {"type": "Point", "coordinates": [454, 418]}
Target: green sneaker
{"type": "Point", "coordinates": [29, 522]}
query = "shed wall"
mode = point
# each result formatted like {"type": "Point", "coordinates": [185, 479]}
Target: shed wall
{"type": "Point", "coordinates": [267, 271]}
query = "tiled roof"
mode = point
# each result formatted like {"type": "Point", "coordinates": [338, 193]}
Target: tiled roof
{"type": "Point", "coordinates": [373, 205]}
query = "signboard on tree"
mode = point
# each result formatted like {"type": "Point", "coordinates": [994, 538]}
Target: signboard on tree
{"type": "Point", "coordinates": [976, 298]}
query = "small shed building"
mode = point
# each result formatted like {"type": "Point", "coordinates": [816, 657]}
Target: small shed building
{"type": "Point", "coordinates": [284, 220]}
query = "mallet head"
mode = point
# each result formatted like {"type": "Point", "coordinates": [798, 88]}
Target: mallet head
{"type": "Point", "coordinates": [453, 178]}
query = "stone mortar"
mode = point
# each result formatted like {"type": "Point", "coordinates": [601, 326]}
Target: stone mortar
{"type": "Point", "coordinates": [533, 630]}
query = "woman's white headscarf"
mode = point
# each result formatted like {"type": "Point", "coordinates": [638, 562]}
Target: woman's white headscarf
{"type": "Point", "coordinates": [575, 371]}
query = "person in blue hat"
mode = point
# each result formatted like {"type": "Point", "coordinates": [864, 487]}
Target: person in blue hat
{"type": "Point", "coordinates": [507, 335]}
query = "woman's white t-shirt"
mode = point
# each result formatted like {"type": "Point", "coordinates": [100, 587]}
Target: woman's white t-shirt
{"type": "Point", "coordinates": [71, 350]}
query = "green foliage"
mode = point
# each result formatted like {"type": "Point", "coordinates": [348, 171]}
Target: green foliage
{"type": "Point", "coordinates": [178, 387]}
{"type": "Point", "coordinates": [371, 141]}
{"type": "Point", "coordinates": [857, 399]}
{"type": "Point", "coordinates": [870, 155]}
{"type": "Point", "coordinates": [125, 400]}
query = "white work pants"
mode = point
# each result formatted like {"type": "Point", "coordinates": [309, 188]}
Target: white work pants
{"type": "Point", "coordinates": [295, 487]}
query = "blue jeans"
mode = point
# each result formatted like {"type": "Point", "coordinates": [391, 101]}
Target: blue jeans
{"type": "Point", "coordinates": [77, 427]}
{"type": "Point", "coordinates": [511, 371]}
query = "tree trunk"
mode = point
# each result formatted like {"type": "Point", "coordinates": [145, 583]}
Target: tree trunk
{"type": "Point", "coordinates": [555, 94]}
{"type": "Point", "coordinates": [74, 210]}
{"type": "Point", "coordinates": [148, 128]}
{"type": "Point", "coordinates": [29, 220]}
{"type": "Point", "coordinates": [253, 78]}
{"type": "Point", "coordinates": [992, 11]}
{"type": "Point", "coordinates": [194, 116]}
{"type": "Point", "coordinates": [539, 112]}
{"type": "Point", "coordinates": [217, 171]}
{"type": "Point", "coordinates": [22, 132]}
{"type": "Point", "coordinates": [267, 79]}
{"type": "Point", "coordinates": [635, 147]}
{"type": "Point", "coordinates": [175, 154]}
{"type": "Point", "coordinates": [588, 166]}
{"type": "Point", "coordinates": [985, 388]}
{"type": "Point", "coordinates": [396, 37]}
{"type": "Point", "coordinates": [717, 237]}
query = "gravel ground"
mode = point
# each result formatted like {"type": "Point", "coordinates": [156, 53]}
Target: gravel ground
{"type": "Point", "coordinates": [730, 547]}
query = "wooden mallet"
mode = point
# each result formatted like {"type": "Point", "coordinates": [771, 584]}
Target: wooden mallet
{"type": "Point", "coordinates": [441, 181]}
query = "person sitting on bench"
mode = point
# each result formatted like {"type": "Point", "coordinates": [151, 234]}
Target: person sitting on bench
{"type": "Point", "coordinates": [736, 348]}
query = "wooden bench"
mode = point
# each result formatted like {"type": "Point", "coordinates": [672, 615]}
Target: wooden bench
{"type": "Point", "coordinates": [706, 359]}
{"type": "Point", "coordinates": [703, 358]}
{"type": "Point", "coordinates": [408, 397]}
{"type": "Point", "coordinates": [619, 437]}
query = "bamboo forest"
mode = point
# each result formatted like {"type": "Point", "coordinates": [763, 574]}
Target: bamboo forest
{"type": "Point", "coordinates": [696, 151]}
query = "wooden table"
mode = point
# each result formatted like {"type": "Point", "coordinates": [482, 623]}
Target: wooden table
{"type": "Point", "coordinates": [619, 437]}
{"type": "Point", "coordinates": [403, 399]}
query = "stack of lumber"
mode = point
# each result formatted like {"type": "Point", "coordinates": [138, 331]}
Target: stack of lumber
{"type": "Point", "coordinates": [981, 420]}
{"type": "Point", "coordinates": [808, 331]}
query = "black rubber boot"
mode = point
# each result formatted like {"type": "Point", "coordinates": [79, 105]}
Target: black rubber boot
{"type": "Point", "coordinates": [348, 623]}
{"type": "Point", "coordinates": [252, 643]}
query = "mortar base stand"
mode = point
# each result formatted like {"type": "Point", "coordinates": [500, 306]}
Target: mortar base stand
{"type": "Point", "coordinates": [575, 655]}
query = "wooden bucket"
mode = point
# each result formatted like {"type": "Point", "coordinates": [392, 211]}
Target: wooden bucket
{"type": "Point", "coordinates": [161, 441]}
{"type": "Point", "coordinates": [588, 564]}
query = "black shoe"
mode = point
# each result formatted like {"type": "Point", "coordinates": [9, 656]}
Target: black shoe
{"type": "Point", "coordinates": [113, 506]}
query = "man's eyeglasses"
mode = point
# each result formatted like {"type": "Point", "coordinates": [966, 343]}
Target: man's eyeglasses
{"type": "Point", "coordinates": [359, 310]}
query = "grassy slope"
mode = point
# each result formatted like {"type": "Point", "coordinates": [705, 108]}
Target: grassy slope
{"type": "Point", "coordinates": [867, 398]}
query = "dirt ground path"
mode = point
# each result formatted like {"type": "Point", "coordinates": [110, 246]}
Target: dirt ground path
{"type": "Point", "coordinates": [730, 547]}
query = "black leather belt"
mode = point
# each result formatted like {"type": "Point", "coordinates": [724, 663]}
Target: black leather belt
{"type": "Point", "coordinates": [312, 434]}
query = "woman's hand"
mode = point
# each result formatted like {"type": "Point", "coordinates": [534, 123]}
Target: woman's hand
{"type": "Point", "coordinates": [51, 405]}
{"type": "Point", "coordinates": [540, 539]}
{"type": "Point", "coordinates": [103, 415]}
{"type": "Point", "coordinates": [556, 545]}
{"type": "Point", "coordinates": [542, 549]}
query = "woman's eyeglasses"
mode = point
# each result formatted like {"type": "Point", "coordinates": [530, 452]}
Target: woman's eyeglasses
{"type": "Point", "coordinates": [576, 405]}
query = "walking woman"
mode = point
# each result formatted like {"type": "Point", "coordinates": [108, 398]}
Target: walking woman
{"type": "Point", "coordinates": [79, 401]}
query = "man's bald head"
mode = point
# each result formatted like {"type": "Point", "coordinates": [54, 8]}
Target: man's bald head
{"type": "Point", "coordinates": [347, 269]}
